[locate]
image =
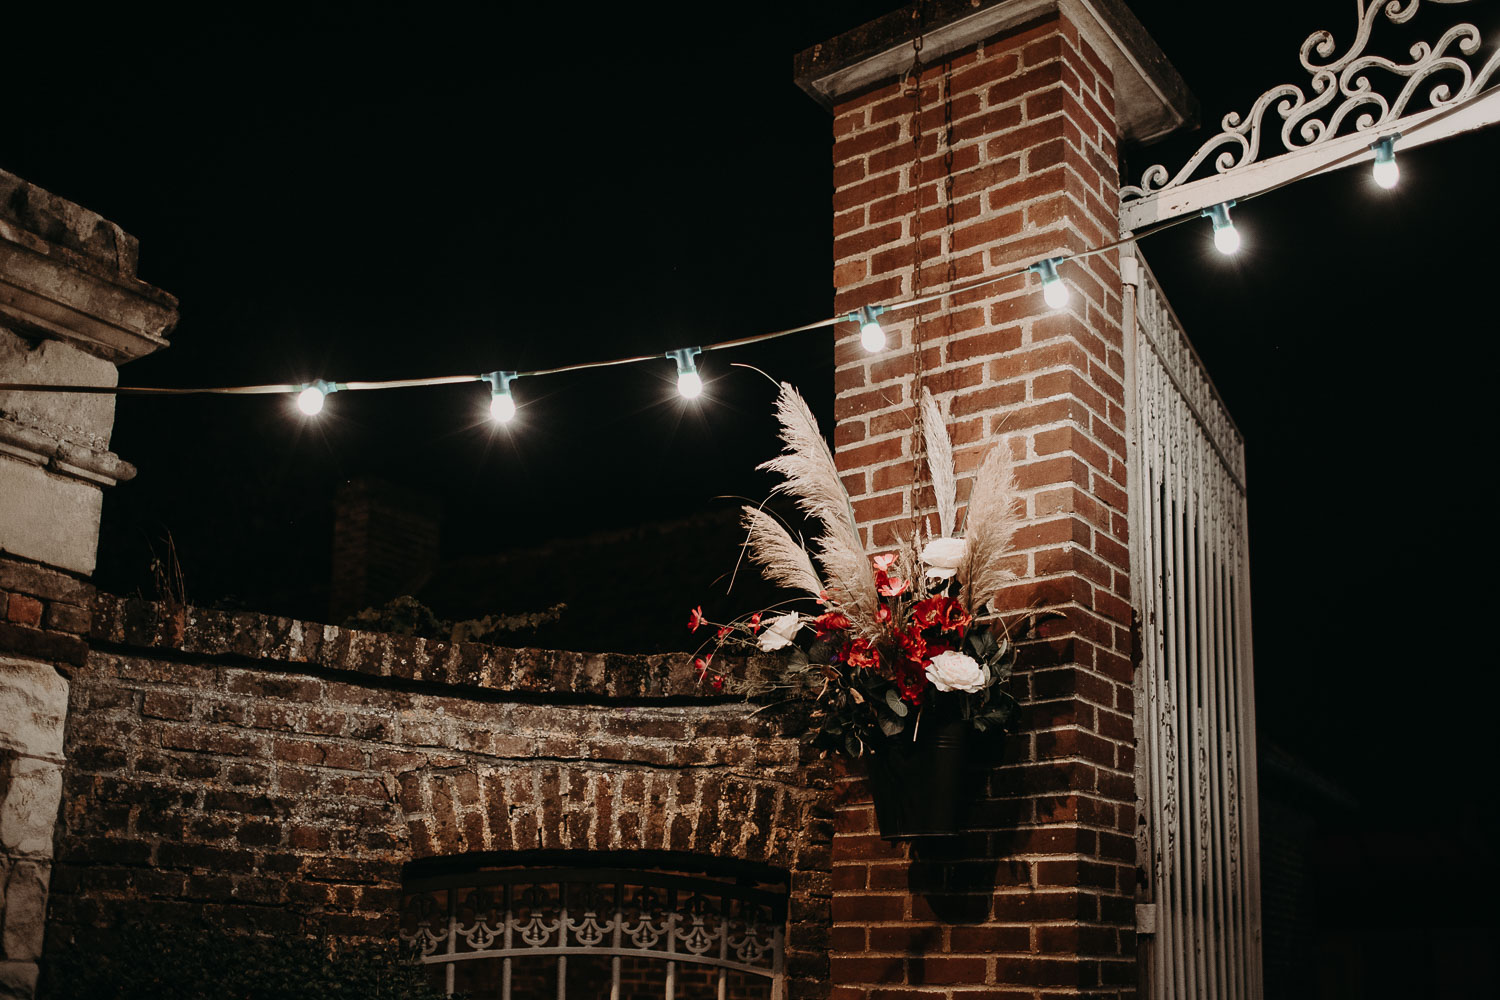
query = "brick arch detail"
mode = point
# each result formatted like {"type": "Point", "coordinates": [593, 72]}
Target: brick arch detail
{"type": "Point", "coordinates": [556, 806]}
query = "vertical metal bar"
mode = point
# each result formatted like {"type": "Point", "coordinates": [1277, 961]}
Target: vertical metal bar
{"type": "Point", "coordinates": [1182, 669]}
{"type": "Point", "coordinates": [778, 964]}
{"type": "Point", "coordinates": [1208, 782]}
{"type": "Point", "coordinates": [671, 943]}
{"type": "Point", "coordinates": [1172, 603]}
{"type": "Point", "coordinates": [562, 940]}
{"type": "Point", "coordinates": [448, 971]}
{"type": "Point", "coordinates": [509, 921]}
{"type": "Point", "coordinates": [616, 940]}
{"type": "Point", "coordinates": [1208, 521]}
{"type": "Point", "coordinates": [1136, 464]}
{"type": "Point", "coordinates": [724, 905]}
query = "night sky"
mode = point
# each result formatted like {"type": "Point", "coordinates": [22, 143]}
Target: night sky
{"type": "Point", "coordinates": [403, 192]}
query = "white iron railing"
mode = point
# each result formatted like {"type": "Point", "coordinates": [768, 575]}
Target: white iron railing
{"type": "Point", "coordinates": [1199, 839]}
{"type": "Point", "coordinates": [509, 933]}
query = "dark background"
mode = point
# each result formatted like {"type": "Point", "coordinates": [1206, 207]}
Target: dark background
{"type": "Point", "coordinates": [401, 192]}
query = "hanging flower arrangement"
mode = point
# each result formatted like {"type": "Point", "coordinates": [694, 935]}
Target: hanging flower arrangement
{"type": "Point", "coordinates": [894, 631]}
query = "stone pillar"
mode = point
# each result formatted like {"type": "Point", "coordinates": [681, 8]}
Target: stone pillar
{"type": "Point", "coordinates": [71, 311]}
{"type": "Point", "coordinates": [1038, 893]}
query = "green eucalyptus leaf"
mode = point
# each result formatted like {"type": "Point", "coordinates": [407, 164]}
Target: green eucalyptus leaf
{"type": "Point", "coordinates": [890, 726]}
{"type": "Point", "coordinates": [796, 659]}
{"type": "Point", "coordinates": [894, 701]}
{"type": "Point", "coordinates": [852, 746]}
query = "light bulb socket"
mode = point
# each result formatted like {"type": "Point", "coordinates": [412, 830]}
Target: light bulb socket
{"type": "Point", "coordinates": [1385, 149]}
{"type": "Point", "coordinates": [684, 358]}
{"type": "Point", "coordinates": [1047, 269]}
{"type": "Point", "coordinates": [865, 315]}
{"type": "Point", "coordinates": [1219, 214]}
{"type": "Point", "coordinates": [499, 382]}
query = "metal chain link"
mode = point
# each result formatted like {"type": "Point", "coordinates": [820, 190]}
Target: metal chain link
{"type": "Point", "coordinates": [914, 82]}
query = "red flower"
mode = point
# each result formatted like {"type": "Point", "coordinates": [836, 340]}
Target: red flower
{"type": "Point", "coordinates": [882, 614]}
{"type": "Point", "coordinates": [828, 623]}
{"type": "Point", "coordinates": [946, 614]}
{"type": "Point", "coordinates": [885, 584]}
{"type": "Point", "coordinates": [825, 598]}
{"type": "Point", "coordinates": [696, 619]}
{"type": "Point", "coordinates": [723, 631]}
{"type": "Point", "coordinates": [755, 623]}
{"type": "Point", "coordinates": [859, 653]}
{"type": "Point", "coordinates": [718, 682]}
{"type": "Point", "coordinates": [910, 673]}
{"type": "Point", "coordinates": [701, 663]}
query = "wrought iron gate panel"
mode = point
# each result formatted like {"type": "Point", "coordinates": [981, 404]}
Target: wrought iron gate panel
{"type": "Point", "coordinates": [724, 930]}
{"type": "Point", "coordinates": [1199, 836]}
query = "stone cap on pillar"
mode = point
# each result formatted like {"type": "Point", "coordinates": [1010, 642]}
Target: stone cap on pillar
{"type": "Point", "coordinates": [69, 274]}
{"type": "Point", "coordinates": [1150, 97]}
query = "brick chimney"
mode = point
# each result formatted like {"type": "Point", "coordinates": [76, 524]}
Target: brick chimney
{"type": "Point", "coordinates": [1038, 893]}
{"type": "Point", "coordinates": [385, 544]}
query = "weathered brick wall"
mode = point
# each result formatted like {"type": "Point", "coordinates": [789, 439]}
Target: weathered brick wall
{"type": "Point", "coordinates": [276, 775]}
{"type": "Point", "coordinates": [1038, 894]}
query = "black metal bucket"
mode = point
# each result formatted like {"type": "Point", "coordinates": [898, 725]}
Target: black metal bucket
{"type": "Point", "coordinates": [918, 785]}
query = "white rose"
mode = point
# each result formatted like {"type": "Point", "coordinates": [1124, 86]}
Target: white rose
{"type": "Point", "coordinates": [952, 671]}
{"type": "Point", "coordinates": [779, 631]}
{"type": "Point", "coordinates": [942, 556]}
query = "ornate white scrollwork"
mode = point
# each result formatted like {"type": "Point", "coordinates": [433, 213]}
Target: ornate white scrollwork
{"type": "Point", "coordinates": [1343, 88]}
{"type": "Point", "coordinates": [587, 931]}
{"type": "Point", "coordinates": [700, 927]}
{"type": "Point", "coordinates": [533, 918]}
{"type": "Point", "coordinates": [423, 924]}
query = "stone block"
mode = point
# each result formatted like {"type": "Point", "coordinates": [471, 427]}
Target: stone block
{"type": "Point", "coordinates": [29, 812]}
{"type": "Point", "coordinates": [33, 705]}
{"type": "Point", "coordinates": [47, 518]}
{"type": "Point", "coordinates": [80, 418]}
{"type": "Point", "coordinates": [17, 980]}
{"type": "Point", "coordinates": [25, 910]}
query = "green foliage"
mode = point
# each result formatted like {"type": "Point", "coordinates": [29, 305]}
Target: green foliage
{"type": "Point", "coordinates": [187, 963]}
{"type": "Point", "coordinates": [406, 615]}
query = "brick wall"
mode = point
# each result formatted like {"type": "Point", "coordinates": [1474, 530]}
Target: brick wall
{"type": "Point", "coordinates": [1036, 898]}
{"type": "Point", "coordinates": [276, 775]}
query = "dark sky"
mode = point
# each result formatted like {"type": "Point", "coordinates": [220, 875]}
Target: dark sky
{"type": "Point", "coordinates": [399, 192]}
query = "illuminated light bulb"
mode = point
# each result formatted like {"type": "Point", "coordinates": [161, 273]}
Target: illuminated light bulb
{"type": "Point", "coordinates": [502, 404]}
{"type": "Point", "coordinates": [1226, 237]}
{"type": "Point", "coordinates": [1053, 289]}
{"type": "Point", "coordinates": [310, 399]}
{"type": "Point", "coordinates": [689, 382]}
{"type": "Point", "coordinates": [1387, 173]}
{"type": "Point", "coordinates": [871, 336]}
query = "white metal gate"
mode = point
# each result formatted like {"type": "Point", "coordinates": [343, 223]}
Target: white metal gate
{"type": "Point", "coordinates": [1199, 834]}
{"type": "Point", "coordinates": [533, 933]}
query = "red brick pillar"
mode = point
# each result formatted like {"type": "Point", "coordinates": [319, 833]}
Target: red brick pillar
{"type": "Point", "coordinates": [1038, 893]}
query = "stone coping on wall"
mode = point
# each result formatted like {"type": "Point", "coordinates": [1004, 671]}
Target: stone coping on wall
{"type": "Point", "coordinates": [290, 643]}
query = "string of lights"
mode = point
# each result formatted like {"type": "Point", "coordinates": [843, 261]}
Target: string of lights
{"type": "Point", "coordinates": [310, 396]}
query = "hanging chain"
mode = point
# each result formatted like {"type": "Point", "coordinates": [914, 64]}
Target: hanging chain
{"type": "Point", "coordinates": [948, 166]}
{"type": "Point", "coordinates": [952, 273]}
{"type": "Point", "coordinates": [913, 81]}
